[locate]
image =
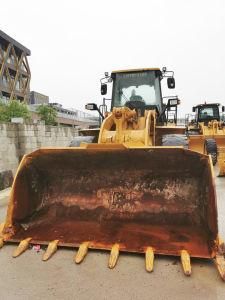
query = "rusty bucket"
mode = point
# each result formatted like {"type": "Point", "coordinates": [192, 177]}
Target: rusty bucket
{"type": "Point", "coordinates": [163, 198]}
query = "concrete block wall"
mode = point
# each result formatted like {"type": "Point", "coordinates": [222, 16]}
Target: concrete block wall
{"type": "Point", "coordinates": [19, 139]}
{"type": "Point", "coordinates": [32, 137]}
{"type": "Point", "coordinates": [9, 156]}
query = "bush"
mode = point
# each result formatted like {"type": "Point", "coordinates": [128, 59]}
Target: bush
{"type": "Point", "coordinates": [13, 109]}
{"type": "Point", "coordinates": [47, 114]}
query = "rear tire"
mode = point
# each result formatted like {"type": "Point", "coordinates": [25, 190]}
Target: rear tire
{"type": "Point", "coordinates": [211, 148]}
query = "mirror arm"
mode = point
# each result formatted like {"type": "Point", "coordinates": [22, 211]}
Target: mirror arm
{"type": "Point", "coordinates": [100, 113]}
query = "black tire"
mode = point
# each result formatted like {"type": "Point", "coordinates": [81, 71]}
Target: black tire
{"type": "Point", "coordinates": [211, 148]}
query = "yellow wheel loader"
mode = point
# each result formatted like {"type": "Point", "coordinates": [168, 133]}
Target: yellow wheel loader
{"type": "Point", "coordinates": [207, 133]}
{"type": "Point", "coordinates": [126, 192]}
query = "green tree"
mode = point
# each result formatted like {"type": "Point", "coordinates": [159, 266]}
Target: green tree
{"type": "Point", "coordinates": [13, 109]}
{"type": "Point", "coordinates": [47, 114]}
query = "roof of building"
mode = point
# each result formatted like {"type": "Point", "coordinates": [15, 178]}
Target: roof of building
{"type": "Point", "coordinates": [7, 38]}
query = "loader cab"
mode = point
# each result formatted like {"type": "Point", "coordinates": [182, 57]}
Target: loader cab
{"type": "Point", "coordinates": [138, 89]}
{"type": "Point", "coordinates": [207, 112]}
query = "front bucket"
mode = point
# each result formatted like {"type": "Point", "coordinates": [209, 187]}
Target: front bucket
{"type": "Point", "coordinates": [162, 198]}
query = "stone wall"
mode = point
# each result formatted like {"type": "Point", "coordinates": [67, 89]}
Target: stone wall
{"type": "Point", "coordinates": [31, 137]}
{"type": "Point", "coordinates": [19, 139]}
{"type": "Point", "coordinates": [9, 151]}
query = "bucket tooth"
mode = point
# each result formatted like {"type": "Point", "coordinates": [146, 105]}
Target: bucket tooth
{"type": "Point", "coordinates": [219, 259]}
{"type": "Point", "coordinates": [149, 259]}
{"type": "Point", "coordinates": [22, 247]}
{"type": "Point", "coordinates": [114, 255]}
{"type": "Point", "coordinates": [186, 262]}
{"type": "Point", "coordinates": [1, 227]}
{"type": "Point", "coordinates": [1, 238]}
{"type": "Point", "coordinates": [220, 264]}
{"type": "Point", "coordinates": [1, 242]}
{"type": "Point", "coordinates": [52, 247]}
{"type": "Point", "coordinates": [82, 252]}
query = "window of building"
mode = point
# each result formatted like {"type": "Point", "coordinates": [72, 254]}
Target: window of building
{"type": "Point", "coordinates": [4, 80]}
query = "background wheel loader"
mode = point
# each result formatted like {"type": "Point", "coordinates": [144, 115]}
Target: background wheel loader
{"type": "Point", "coordinates": [124, 193]}
{"type": "Point", "coordinates": [207, 133]}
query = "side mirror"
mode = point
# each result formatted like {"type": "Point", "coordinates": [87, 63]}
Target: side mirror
{"type": "Point", "coordinates": [223, 109]}
{"type": "Point", "coordinates": [193, 109]}
{"type": "Point", "coordinates": [94, 106]}
{"type": "Point", "coordinates": [171, 82]}
{"type": "Point", "coordinates": [103, 89]}
{"type": "Point", "coordinates": [91, 106]}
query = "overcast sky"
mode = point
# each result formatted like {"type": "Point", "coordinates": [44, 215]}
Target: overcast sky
{"type": "Point", "coordinates": [73, 43]}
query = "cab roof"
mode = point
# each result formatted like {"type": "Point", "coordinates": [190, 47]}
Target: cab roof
{"type": "Point", "coordinates": [207, 105]}
{"type": "Point", "coordinates": [136, 70]}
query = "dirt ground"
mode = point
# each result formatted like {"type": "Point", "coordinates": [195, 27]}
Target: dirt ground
{"type": "Point", "coordinates": [27, 277]}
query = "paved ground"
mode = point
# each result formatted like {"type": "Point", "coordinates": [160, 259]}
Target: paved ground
{"type": "Point", "coordinates": [27, 277]}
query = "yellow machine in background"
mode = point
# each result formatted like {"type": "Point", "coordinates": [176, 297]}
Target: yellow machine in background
{"type": "Point", "coordinates": [207, 133]}
{"type": "Point", "coordinates": [124, 193]}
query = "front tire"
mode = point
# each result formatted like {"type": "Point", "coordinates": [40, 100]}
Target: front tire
{"type": "Point", "coordinates": [211, 148]}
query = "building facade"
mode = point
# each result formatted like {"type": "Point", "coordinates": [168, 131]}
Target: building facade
{"type": "Point", "coordinates": [38, 98]}
{"type": "Point", "coordinates": [67, 117]}
{"type": "Point", "coordinates": [14, 69]}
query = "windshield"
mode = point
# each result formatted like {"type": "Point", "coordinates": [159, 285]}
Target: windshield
{"type": "Point", "coordinates": [209, 113]}
{"type": "Point", "coordinates": [143, 87]}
